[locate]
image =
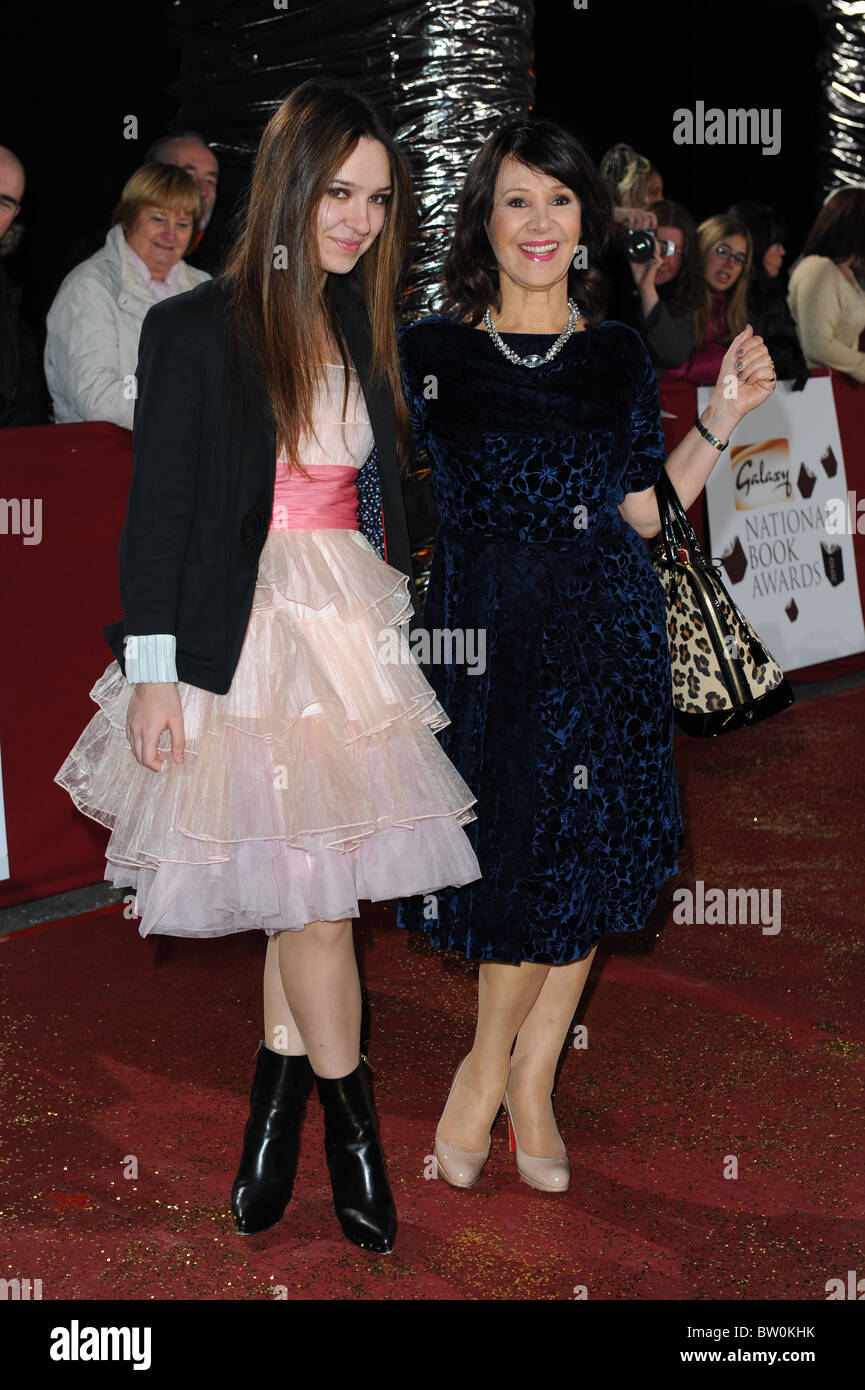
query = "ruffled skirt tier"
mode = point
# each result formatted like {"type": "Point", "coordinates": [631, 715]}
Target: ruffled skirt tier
{"type": "Point", "coordinates": [316, 781]}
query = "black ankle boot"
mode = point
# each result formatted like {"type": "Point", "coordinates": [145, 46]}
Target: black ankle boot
{"type": "Point", "coordinates": [265, 1177]}
{"type": "Point", "coordinates": [361, 1193]}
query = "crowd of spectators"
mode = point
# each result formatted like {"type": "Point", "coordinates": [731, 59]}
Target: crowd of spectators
{"type": "Point", "coordinates": [688, 289]}
{"type": "Point", "coordinates": [87, 369]}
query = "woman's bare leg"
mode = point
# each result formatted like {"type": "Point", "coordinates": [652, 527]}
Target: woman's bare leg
{"type": "Point", "coordinates": [536, 1054]}
{"type": "Point", "coordinates": [281, 1033]}
{"type": "Point", "coordinates": [506, 994]}
{"type": "Point", "coordinates": [318, 969]}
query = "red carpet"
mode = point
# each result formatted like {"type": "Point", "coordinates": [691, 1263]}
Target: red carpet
{"type": "Point", "coordinates": [704, 1042]}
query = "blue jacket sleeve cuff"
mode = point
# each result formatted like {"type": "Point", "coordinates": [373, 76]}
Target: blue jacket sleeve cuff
{"type": "Point", "coordinates": [150, 658]}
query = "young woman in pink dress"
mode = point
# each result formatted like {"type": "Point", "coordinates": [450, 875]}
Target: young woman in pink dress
{"type": "Point", "coordinates": [259, 764]}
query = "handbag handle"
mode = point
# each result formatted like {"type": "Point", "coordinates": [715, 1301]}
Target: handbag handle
{"type": "Point", "coordinates": [677, 531]}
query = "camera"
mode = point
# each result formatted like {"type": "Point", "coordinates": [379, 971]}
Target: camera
{"type": "Point", "coordinates": [640, 246]}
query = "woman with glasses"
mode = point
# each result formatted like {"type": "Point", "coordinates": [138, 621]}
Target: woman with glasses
{"type": "Point", "coordinates": [721, 311]}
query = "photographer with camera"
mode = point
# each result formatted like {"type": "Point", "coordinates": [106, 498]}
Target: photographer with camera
{"type": "Point", "coordinates": [666, 272]}
{"type": "Point", "coordinates": [632, 182]}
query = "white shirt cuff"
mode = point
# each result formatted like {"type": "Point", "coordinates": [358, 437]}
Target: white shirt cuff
{"type": "Point", "coordinates": [150, 658]}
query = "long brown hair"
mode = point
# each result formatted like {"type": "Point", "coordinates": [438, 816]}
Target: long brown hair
{"type": "Point", "coordinates": [279, 312]}
{"type": "Point", "coordinates": [684, 289]}
{"type": "Point", "coordinates": [470, 269]}
{"type": "Point", "coordinates": [838, 231]}
{"type": "Point", "coordinates": [711, 233]}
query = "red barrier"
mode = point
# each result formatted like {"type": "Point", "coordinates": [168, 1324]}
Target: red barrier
{"type": "Point", "coordinates": [58, 594]}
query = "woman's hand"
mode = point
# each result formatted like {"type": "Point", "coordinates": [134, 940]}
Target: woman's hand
{"type": "Point", "coordinates": [747, 376]}
{"type": "Point", "coordinates": [635, 219]}
{"type": "Point", "coordinates": [153, 707]}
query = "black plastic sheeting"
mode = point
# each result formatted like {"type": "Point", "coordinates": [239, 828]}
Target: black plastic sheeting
{"type": "Point", "coordinates": [444, 74]}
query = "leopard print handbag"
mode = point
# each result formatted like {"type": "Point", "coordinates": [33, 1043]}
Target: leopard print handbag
{"type": "Point", "coordinates": [723, 677]}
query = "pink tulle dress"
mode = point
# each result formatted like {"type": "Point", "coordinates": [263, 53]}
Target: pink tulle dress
{"type": "Point", "coordinates": [317, 779]}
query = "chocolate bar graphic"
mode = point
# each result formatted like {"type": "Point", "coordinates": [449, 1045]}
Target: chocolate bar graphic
{"type": "Point", "coordinates": [792, 611]}
{"type": "Point", "coordinates": [833, 563]}
{"type": "Point", "coordinates": [805, 481]}
{"type": "Point", "coordinates": [829, 462]}
{"type": "Point", "coordinates": [734, 561]}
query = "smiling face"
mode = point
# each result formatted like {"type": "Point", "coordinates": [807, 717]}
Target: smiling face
{"type": "Point", "coordinates": [534, 226]}
{"type": "Point", "coordinates": [720, 271]}
{"type": "Point", "coordinates": [160, 236]}
{"type": "Point", "coordinates": [352, 212]}
{"type": "Point", "coordinates": [670, 265]}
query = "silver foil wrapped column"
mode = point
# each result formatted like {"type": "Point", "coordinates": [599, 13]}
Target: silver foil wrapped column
{"type": "Point", "coordinates": [842, 146]}
{"type": "Point", "coordinates": [445, 73]}
{"type": "Point", "coordinates": [464, 67]}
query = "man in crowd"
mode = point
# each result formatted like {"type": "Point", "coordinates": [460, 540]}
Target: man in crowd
{"type": "Point", "coordinates": [23, 395]}
{"type": "Point", "coordinates": [186, 149]}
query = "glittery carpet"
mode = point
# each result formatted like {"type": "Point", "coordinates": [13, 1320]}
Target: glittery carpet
{"type": "Point", "coordinates": [127, 1066]}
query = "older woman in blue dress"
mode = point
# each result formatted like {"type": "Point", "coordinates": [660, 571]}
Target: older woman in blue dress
{"type": "Point", "coordinates": [544, 438]}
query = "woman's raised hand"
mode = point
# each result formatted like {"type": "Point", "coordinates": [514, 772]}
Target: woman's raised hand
{"type": "Point", "coordinates": [747, 376]}
{"type": "Point", "coordinates": [635, 219]}
{"type": "Point", "coordinates": [153, 707]}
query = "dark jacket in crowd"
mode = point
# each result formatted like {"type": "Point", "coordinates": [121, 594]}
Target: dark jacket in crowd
{"type": "Point", "coordinates": [667, 331]}
{"type": "Point", "coordinates": [770, 317]}
{"type": "Point", "coordinates": [24, 398]}
{"type": "Point", "coordinates": [201, 497]}
{"type": "Point", "coordinates": [622, 295]}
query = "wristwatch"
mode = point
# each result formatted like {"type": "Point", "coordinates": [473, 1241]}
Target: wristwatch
{"type": "Point", "coordinates": [712, 438]}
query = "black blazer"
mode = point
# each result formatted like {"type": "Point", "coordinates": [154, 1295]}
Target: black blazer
{"type": "Point", "coordinates": [201, 496]}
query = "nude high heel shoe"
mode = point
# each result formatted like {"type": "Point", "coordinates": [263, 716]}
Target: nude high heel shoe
{"type": "Point", "coordinates": [459, 1167]}
{"type": "Point", "coordinates": [545, 1174]}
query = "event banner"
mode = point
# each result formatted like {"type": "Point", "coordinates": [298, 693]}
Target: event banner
{"type": "Point", "coordinates": [779, 524]}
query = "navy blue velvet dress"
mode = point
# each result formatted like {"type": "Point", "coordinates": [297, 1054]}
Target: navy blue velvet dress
{"type": "Point", "coordinates": [566, 736]}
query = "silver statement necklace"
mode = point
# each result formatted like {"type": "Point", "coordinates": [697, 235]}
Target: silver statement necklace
{"type": "Point", "coordinates": [533, 360]}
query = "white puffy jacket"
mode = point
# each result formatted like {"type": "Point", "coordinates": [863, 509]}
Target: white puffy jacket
{"type": "Point", "coordinates": [91, 349]}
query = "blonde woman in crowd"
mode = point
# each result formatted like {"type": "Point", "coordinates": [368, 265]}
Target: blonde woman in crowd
{"type": "Point", "coordinates": [94, 323]}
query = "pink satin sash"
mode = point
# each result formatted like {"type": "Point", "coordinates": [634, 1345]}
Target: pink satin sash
{"type": "Point", "coordinates": [326, 500]}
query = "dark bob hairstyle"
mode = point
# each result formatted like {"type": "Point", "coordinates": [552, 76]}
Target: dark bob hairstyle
{"type": "Point", "coordinates": [767, 226]}
{"type": "Point", "coordinates": [470, 269]}
{"type": "Point", "coordinates": [838, 231]}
